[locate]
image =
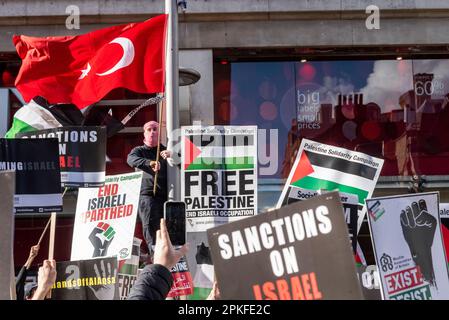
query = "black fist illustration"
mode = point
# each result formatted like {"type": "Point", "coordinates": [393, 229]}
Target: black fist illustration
{"type": "Point", "coordinates": [418, 228]}
{"type": "Point", "coordinates": [101, 247]}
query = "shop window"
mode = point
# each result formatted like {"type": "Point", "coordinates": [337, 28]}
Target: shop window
{"type": "Point", "coordinates": [397, 110]}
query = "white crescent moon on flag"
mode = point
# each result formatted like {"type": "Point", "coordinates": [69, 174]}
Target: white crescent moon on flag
{"type": "Point", "coordinates": [126, 59]}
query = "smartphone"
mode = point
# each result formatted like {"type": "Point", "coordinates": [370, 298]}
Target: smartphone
{"type": "Point", "coordinates": [175, 219]}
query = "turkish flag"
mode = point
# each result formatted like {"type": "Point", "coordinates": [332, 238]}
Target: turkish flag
{"type": "Point", "coordinates": [83, 69]}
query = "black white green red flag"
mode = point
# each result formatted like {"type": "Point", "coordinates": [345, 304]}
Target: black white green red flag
{"type": "Point", "coordinates": [324, 167]}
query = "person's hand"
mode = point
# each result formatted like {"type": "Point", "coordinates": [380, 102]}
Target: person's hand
{"type": "Point", "coordinates": [215, 292]}
{"type": "Point", "coordinates": [34, 251]}
{"type": "Point", "coordinates": [418, 228]}
{"type": "Point", "coordinates": [104, 292]}
{"type": "Point", "coordinates": [45, 279]}
{"type": "Point", "coordinates": [165, 154]}
{"type": "Point", "coordinates": [164, 253]}
{"type": "Point", "coordinates": [155, 165]}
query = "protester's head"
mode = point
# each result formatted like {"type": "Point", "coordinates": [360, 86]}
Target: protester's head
{"type": "Point", "coordinates": [150, 133]}
{"type": "Point", "coordinates": [30, 288]}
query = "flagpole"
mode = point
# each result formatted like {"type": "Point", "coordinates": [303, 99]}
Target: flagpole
{"type": "Point", "coordinates": [172, 96]}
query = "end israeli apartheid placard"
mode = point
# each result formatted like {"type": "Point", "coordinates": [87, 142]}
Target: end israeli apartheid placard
{"type": "Point", "coordinates": [38, 177]}
{"type": "Point", "coordinates": [408, 246]}
{"type": "Point", "coordinates": [321, 166]}
{"type": "Point", "coordinates": [218, 174]}
{"type": "Point", "coordinates": [106, 217]}
{"type": "Point", "coordinates": [298, 252]}
{"type": "Point", "coordinates": [82, 152]}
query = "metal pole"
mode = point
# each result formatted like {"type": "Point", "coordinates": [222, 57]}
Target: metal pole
{"type": "Point", "coordinates": [172, 95]}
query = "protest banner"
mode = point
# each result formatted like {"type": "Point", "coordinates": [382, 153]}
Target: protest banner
{"type": "Point", "coordinates": [94, 279]}
{"type": "Point", "coordinates": [38, 177]}
{"type": "Point", "coordinates": [369, 282]}
{"type": "Point", "coordinates": [321, 166]}
{"type": "Point", "coordinates": [298, 252]}
{"type": "Point", "coordinates": [218, 174]}
{"type": "Point", "coordinates": [182, 280]}
{"type": "Point", "coordinates": [127, 270]}
{"type": "Point", "coordinates": [106, 217]}
{"type": "Point", "coordinates": [82, 152]}
{"type": "Point", "coordinates": [350, 209]}
{"type": "Point", "coordinates": [7, 181]}
{"type": "Point", "coordinates": [408, 246]}
{"type": "Point", "coordinates": [218, 185]}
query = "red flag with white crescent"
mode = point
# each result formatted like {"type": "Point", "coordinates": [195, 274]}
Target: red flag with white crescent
{"type": "Point", "coordinates": [83, 69]}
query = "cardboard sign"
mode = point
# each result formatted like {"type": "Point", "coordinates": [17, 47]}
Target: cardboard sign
{"type": "Point", "coordinates": [321, 166]}
{"type": "Point", "coordinates": [106, 217]}
{"type": "Point", "coordinates": [38, 178]}
{"type": "Point", "coordinates": [94, 279]}
{"type": "Point", "coordinates": [218, 175]}
{"type": "Point", "coordinates": [82, 152]}
{"type": "Point", "coordinates": [298, 252]}
{"type": "Point", "coordinates": [7, 181]}
{"type": "Point", "coordinates": [350, 209]}
{"type": "Point", "coordinates": [408, 246]}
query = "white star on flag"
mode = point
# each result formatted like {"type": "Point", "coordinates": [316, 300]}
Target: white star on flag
{"type": "Point", "coordinates": [84, 72]}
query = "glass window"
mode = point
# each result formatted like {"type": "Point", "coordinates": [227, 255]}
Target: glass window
{"type": "Point", "coordinates": [397, 110]}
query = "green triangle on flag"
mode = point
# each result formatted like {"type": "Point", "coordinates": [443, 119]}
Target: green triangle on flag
{"type": "Point", "coordinates": [303, 169]}
{"type": "Point", "coordinates": [191, 152]}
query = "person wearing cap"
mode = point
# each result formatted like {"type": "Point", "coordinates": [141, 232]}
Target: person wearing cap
{"type": "Point", "coordinates": [144, 158]}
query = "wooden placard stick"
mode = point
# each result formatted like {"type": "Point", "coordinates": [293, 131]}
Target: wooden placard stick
{"type": "Point", "coordinates": [161, 104]}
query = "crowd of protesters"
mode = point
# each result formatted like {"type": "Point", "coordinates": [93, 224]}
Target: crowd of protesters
{"type": "Point", "coordinates": [153, 283]}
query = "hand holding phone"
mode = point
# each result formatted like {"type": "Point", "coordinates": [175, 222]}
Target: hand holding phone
{"type": "Point", "coordinates": [175, 217]}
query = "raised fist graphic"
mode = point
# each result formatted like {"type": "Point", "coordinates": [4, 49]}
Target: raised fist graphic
{"type": "Point", "coordinates": [418, 228]}
{"type": "Point", "coordinates": [101, 246]}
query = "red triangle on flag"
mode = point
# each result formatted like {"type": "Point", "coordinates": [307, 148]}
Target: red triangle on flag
{"type": "Point", "coordinates": [191, 152]}
{"type": "Point", "coordinates": [445, 232]}
{"type": "Point", "coordinates": [303, 169]}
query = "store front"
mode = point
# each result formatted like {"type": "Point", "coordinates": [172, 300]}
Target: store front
{"type": "Point", "coordinates": [394, 108]}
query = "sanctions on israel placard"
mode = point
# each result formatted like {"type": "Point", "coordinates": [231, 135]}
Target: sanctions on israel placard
{"type": "Point", "coordinates": [298, 252]}
{"type": "Point", "coordinates": [106, 217]}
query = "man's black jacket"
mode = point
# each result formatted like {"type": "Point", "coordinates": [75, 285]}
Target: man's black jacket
{"type": "Point", "coordinates": [140, 158]}
{"type": "Point", "coordinates": [153, 283]}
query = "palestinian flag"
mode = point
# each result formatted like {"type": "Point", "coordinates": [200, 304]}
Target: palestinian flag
{"type": "Point", "coordinates": [204, 273]}
{"type": "Point", "coordinates": [219, 152]}
{"type": "Point", "coordinates": [444, 218]}
{"type": "Point", "coordinates": [32, 117]}
{"type": "Point", "coordinates": [40, 115]}
{"type": "Point", "coordinates": [330, 168]}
